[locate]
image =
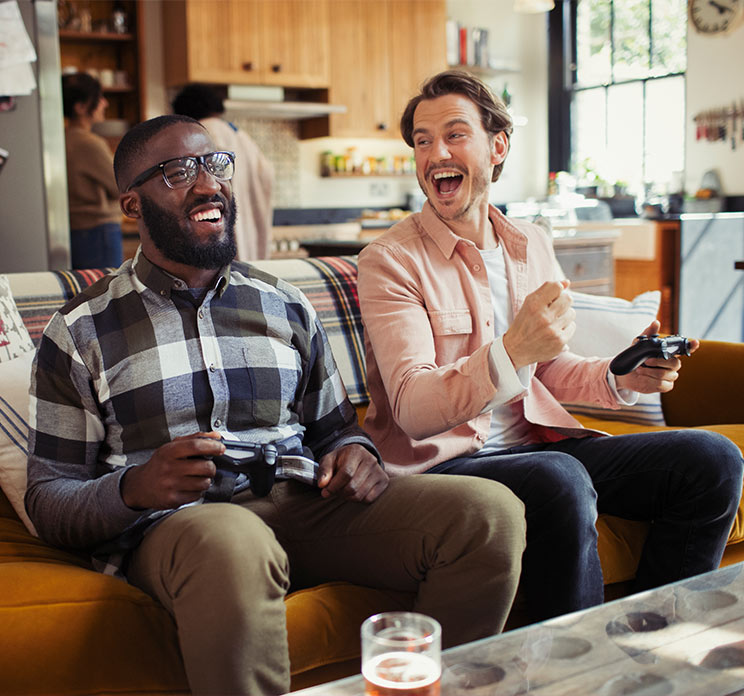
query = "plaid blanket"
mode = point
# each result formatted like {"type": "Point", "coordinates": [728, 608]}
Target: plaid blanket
{"type": "Point", "coordinates": [328, 282]}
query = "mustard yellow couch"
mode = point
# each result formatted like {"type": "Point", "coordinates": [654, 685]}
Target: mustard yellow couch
{"type": "Point", "coordinates": [69, 630]}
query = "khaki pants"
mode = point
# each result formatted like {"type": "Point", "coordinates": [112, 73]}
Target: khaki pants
{"type": "Point", "coordinates": [222, 569]}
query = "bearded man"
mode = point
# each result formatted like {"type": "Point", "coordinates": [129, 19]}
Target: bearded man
{"type": "Point", "coordinates": [139, 378]}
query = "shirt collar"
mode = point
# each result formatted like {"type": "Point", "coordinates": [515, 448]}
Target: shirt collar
{"type": "Point", "coordinates": [507, 233]}
{"type": "Point", "coordinates": [163, 283]}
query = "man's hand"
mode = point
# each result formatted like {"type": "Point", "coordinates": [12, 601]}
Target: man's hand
{"type": "Point", "coordinates": [543, 326]}
{"type": "Point", "coordinates": [656, 374]}
{"type": "Point", "coordinates": [176, 473]}
{"type": "Point", "coordinates": [353, 473]}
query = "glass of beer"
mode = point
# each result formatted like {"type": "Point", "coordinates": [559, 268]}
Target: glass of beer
{"type": "Point", "coordinates": [401, 654]}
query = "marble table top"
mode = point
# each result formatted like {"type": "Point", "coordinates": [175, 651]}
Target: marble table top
{"type": "Point", "coordinates": [683, 639]}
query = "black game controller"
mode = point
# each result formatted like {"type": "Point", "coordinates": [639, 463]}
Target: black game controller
{"type": "Point", "coordinates": [648, 347]}
{"type": "Point", "coordinates": [256, 460]}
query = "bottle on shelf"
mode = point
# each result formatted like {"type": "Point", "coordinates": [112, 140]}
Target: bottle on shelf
{"type": "Point", "coordinates": [119, 21]}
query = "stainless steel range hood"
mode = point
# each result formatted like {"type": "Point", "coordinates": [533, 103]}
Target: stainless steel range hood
{"type": "Point", "coordinates": [270, 103]}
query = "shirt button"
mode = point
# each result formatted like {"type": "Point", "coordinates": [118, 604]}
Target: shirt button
{"type": "Point", "coordinates": [212, 368]}
{"type": "Point", "coordinates": [476, 267]}
{"type": "Point", "coordinates": [163, 293]}
{"type": "Point", "coordinates": [201, 314]}
{"type": "Point", "coordinates": [217, 423]}
{"type": "Point", "coordinates": [488, 322]}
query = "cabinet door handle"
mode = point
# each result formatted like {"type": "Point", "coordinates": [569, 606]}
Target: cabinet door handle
{"type": "Point", "coordinates": [248, 65]}
{"type": "Point", "coordinates": [276, 68]}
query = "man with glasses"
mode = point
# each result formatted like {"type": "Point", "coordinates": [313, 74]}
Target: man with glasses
{"type": "Point", "coordinates": [137, 379]}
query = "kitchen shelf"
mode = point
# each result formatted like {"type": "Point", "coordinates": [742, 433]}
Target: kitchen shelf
{"type": "Point", "coordinates": [106, 52]}
{"type": "Point", "coordinates": [69, 35]}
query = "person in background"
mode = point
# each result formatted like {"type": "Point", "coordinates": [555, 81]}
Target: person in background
{"type": "Point", "coordinates": [95, 216]}
{"type": "Point", "coordinates": [136, 379]}
{"type": "Point", "coordinates": [254, 175]}
{"type": "Point", "coordinates": [467, 327]}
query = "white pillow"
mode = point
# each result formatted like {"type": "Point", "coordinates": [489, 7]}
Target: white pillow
{"type": "Point", "coordinates": [604, 327]}
{"type": "Point", "coordinates": [15, 376]}
{"type": "Point", "coordinates": [14, 338]}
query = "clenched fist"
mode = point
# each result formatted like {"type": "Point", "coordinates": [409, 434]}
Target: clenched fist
{"type": "Point", "coordinates": [543, 326]}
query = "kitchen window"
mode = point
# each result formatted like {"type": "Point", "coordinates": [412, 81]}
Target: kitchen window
{"type": "Point", "coordinates": [617, 92]}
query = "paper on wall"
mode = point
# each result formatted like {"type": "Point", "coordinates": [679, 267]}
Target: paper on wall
{"type": "Point", "coordinates": [16, 52]}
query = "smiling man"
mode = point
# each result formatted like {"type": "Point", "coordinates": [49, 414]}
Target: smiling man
{"type": "Point", "coordinates": [466, 335]}
{"type": "Point", "coordinates": [134, 384]}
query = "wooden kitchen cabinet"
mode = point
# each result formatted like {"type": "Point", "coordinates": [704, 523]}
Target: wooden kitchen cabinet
{"type": "Point", "coordinates": [418, 49]}
{"type": "Point", "coordinates": [360, 69]}
{"type": "Point", "coordinates": [248, 42]}
{"type": "Point", "coordinates": [381, 52]}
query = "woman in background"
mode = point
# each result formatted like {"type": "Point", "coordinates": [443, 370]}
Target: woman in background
{"type": "Point", "coordinates": [95, 217]}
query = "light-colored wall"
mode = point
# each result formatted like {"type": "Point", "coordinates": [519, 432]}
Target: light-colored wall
{"type": "Point", "coordinates": [715, 79]}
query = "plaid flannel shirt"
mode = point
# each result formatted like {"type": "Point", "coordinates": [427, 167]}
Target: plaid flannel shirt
{"type": "Point", "coordinates": [137, 359]}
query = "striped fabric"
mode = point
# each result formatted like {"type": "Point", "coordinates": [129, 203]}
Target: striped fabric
{"type": "Point", "coordinates": [39, 295]}
{"type": "Point", "coordinates": [14, 378]}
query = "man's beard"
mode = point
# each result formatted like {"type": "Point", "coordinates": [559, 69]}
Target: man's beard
{"type": "Point", "coordinates": [177, 243]}
{"type": "Point", "coordinates": [444, 212]}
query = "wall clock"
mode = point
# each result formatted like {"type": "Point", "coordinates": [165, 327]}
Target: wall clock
{"type": "Point", "coordinates": [715, 16]}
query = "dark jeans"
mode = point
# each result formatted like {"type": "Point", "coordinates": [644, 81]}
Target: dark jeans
{"type": "Point", "coordinates": [687, 483]}
{"type": "Point", "coordinates": [97, 247]}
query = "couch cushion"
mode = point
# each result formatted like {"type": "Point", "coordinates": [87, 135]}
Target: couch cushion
{"type": "Point", "coordinates": [337, 643]}
{"type": "Point", "coordinates": [76, 631]}
{"type": "Point", "coordinates": [14, 339]}
{"type": "Point", "coordinates": [604, 327]}
{"type": "Point", "coordinates": [14, 382]}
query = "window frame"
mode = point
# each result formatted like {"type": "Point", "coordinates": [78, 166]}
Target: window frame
{"type": "Point", "coordinates": [562, 82]}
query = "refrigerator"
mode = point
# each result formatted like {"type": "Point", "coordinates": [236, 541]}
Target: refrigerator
{"type": "Point", "coordinates": [34, 224]}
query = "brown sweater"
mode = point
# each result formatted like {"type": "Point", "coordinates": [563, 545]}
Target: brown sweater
{"type": "Point", "coordinates": [91, 187]}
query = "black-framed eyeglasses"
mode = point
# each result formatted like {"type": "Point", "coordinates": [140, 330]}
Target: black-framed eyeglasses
{"type": "Point", "coordinates": [182, 172]}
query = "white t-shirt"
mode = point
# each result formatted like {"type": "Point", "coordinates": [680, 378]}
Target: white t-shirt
{"type": "Point", "coordinates": [508, 424]}
{"type": "Point", "coordinates": [509, 427]}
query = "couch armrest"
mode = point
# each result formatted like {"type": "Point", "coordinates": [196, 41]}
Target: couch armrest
{"type": "Point", "coordinates": [710, 387]}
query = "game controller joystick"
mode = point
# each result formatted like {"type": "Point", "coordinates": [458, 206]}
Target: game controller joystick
{"type": "Point", "coordinates": [648, 347]}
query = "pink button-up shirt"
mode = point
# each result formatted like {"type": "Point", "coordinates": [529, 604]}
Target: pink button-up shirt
{"type": "Point", "coordinates": [432, 363]}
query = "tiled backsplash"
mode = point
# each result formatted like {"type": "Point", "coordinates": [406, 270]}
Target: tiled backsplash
{"type": "Point", "coordinates": [279, 141]}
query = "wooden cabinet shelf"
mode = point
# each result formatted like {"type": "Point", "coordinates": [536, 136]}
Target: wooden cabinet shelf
{"type": "Point", "coordinates": [108, 53]}
{"type": "Point", "coordinates": [69, 35]}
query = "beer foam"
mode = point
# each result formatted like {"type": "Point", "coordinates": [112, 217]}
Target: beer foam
{"type": "Point", "coordinates": [401, 670]}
